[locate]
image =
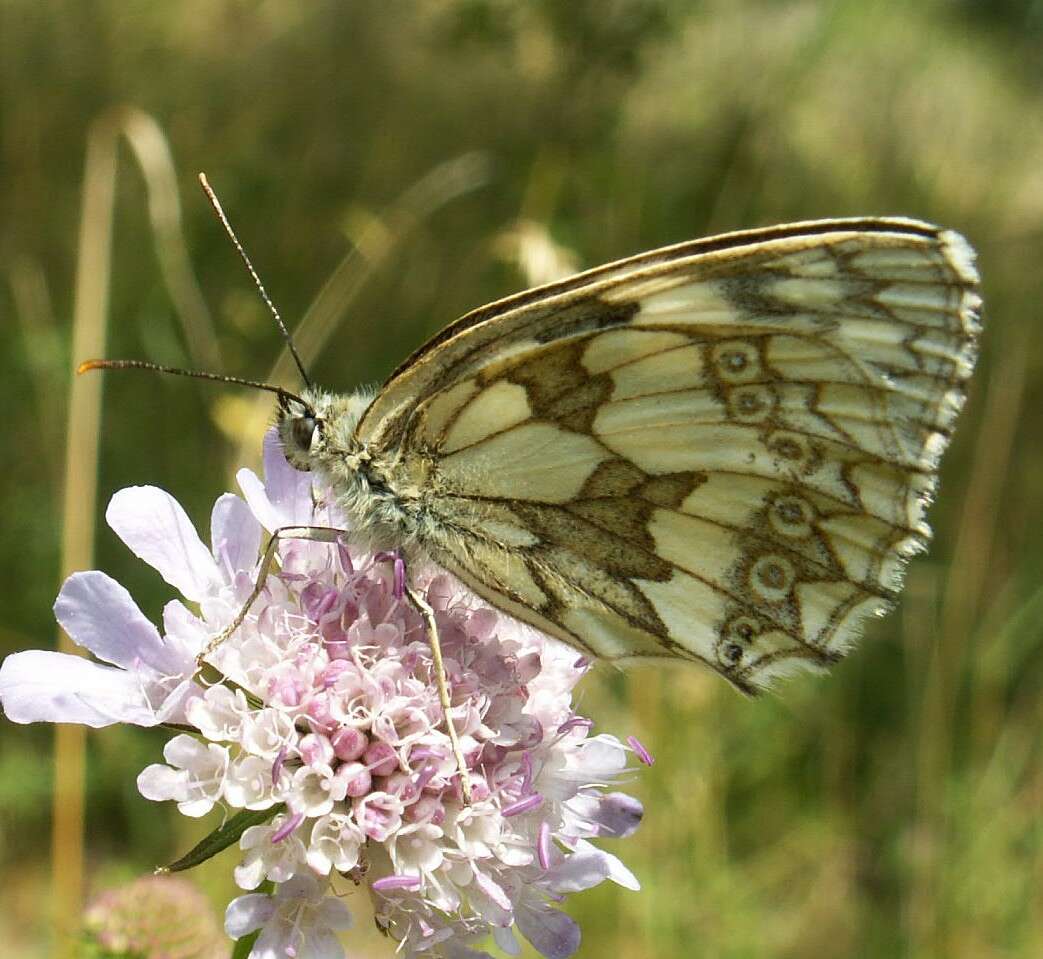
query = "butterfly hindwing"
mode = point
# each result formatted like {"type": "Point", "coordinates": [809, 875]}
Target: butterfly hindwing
{"type": "Point", "coordinates": [721, 451]}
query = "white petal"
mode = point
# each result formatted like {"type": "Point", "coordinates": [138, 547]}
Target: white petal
{"type": "Point", "coordinates": [492, 889]}
{"type": "Point", "coordinates": [183, 630]}
{"type": "Point", "coordinates": [249, 874]}
{"type": "Point", "coordinates": [289, 490]}
{"type": "Point", "coordinates": [160, 783]}
{"type": "Point", "coordinates": [600, 757]}
{"type": "Point", "coordinates": [40, 686]}
{"type": "Point", "coordinates": [321, 944]}
{"type": "Point", "coordinates": [236, 535]}
{"type": "Point", "coordinates": [551, 932]}
{"type": "Point", "coordinates": [275, 942]}
{"type": "Point", "coordinates": [185, 751]}
{"type": "Point", "coordinates": [172, 709]}
{"type": "Point", "coordinates": [615, 814]}
{"type": "Point", "coordinates": [247, 914]}
{"type": "Point", "coordinates": [621, 875]}
{"type": "Point", "coordinates": [581, 870]}
{"type": "Point", "coordinates": [98, 613]}
{"type": "Point", "coordinates": [457, 950]}
{"type": "Point", "coordinates": [155, 527]}
{"type": "Point", "coordinates": [617, 871]}
{"type": "Point", "coordinates": [257, 499]}
{"type": "Point", "coordinates": [218, 714]}
{"type": "Point", "coordinates": [249, 783]}
{"type": "Point", "coordinates": [334, 913]}
{"type": "Point", "coordinates": [196, 808]}
{"type": "Point", "coordinates": [504, 938]}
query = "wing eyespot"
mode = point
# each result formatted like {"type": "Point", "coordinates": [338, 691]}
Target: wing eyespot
{"type": "Point", "coordinates": [736, 362]}
{"type": "Point", "coordinates": [791, 517]}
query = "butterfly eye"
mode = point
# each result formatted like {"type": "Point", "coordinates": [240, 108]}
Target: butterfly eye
{"type": "Point", "coordinates": [304, 430]}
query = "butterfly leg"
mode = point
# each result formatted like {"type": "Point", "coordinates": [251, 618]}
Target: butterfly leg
{"type": "Point", "coordinates": [428, 614]}
{"type": "Point", "coordinates": [319, 534]}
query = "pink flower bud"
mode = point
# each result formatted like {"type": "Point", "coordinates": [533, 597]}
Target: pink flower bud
{"type": "Point", "coordinates": [316, 750]}
{"type": "Point", "coordinates": [426, 809]}
{"type": "Point", "coordinates": [318, 710]}
{"type": "Point", "coordinates": [288, 690]}
{"type": "Point", "coordinates": [355, 778]}
{"type": "Point", "coordinates": [381, 759]}
{"type": "Point", "coordinates": [402, 785]}
{"type": "Point", "coordinates": [349, 743]}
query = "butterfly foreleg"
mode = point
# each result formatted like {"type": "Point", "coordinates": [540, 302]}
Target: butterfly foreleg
{"type": "Point", "coordinates": [319, 534]}
{"type": "Point", "coordinates": [428, 615]}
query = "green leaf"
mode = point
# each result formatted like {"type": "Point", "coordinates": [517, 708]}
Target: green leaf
{"type": "Point", "coordinates": [222, 837]}
{"type": "Point", "coordinates": [244, 945]}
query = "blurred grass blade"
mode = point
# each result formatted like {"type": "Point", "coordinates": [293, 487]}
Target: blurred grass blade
{"type": "Point", "coordinates": [994, 450]}
{"type": "Point", "coordinates": [90, 311]}
{"type": "Point", "coordinates": [531, 249]}
{"type": "Point", "coordinates": [150, 148]}
{"type": "Point", "coordinates": [374, 239]}
{"type": "Point", "coordinates": [79, 495]}
{"type": "Point", "coordinates": [372, 243]}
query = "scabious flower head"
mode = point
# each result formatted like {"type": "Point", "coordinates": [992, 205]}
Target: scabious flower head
{"type": "Point", "coordinates": [154, 917]}
{"type": "Point", "coordinates": [328, 715]}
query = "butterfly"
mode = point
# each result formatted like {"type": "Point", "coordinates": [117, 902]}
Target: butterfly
{"type": "Point", "coordinates": [720, 451]}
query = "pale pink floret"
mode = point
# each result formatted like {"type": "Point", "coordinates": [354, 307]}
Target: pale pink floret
{"type": "Point", "coordinates": [194, 778]}
{"type": "Point", "coordinates": [298, 920]}
{"type": "Point", "coordinates": [267, 859]}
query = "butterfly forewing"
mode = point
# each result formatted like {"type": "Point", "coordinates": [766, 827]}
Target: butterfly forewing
{"type": "Point", "coordinates": [720, 451]}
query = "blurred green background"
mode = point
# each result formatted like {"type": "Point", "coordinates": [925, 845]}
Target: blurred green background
{"type": "Point", "coordinates": [414, 160]}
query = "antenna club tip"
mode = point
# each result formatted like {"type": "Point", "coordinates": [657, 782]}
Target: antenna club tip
{"type": "Point", "coordinates": [202, 178]}
{"type": "Point", "coordinates": [87, 365]}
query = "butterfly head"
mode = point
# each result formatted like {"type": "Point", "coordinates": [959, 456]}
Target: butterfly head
{"type": "Point", "coordinates": [316, 423]}
{"type": "Point", "coordinates": [301, 429]}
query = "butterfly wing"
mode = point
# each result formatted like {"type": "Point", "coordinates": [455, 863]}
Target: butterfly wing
{"type": "Point", "coordinates": [719, 451]}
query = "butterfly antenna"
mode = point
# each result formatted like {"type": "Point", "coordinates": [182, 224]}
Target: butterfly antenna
{"type": "Point", "coordinates": [88, 365]}
{"type": "Point", "coordinates": [216, 204]}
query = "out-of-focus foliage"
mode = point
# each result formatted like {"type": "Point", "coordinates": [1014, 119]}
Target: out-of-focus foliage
{"type": "Point", "coordinates": [892, 809]}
